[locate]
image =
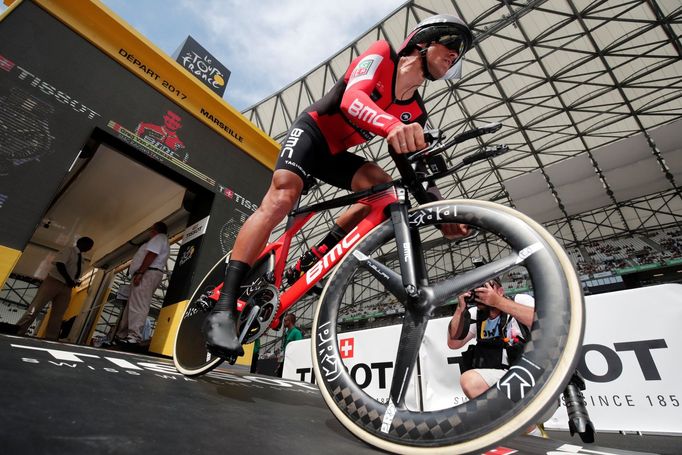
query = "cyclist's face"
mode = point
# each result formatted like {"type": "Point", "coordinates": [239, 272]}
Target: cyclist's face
{"type": "Point", "coordinates": [440, 59]}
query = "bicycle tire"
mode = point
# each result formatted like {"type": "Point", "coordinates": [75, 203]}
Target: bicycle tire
{"type": "Point", "coordinates": [190, 355]}
{"type": "Point", "coordinates": [480, 423]}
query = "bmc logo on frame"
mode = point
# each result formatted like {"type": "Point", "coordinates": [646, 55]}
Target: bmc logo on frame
{"type": "Point", "coordinates": [347, 348]}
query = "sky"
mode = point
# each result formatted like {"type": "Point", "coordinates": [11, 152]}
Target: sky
{"type": "Point", "coordinates": [266, 44]}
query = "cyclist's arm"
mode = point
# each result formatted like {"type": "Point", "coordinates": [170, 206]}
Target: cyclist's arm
{"type": "Point", "coordinates": [371, 69]}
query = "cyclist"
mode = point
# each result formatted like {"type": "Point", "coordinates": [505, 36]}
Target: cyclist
{"type": "Point", "coordinates": [378, 94]}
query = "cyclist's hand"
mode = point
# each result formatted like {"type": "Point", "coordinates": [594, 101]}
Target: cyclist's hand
{"type": "Point", "coordinates": [406, 138]}
{"type": "Point", "coordinates": [454, 231]}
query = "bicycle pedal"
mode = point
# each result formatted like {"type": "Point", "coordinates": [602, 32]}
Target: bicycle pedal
{"type": "Point", "coordinates": [205, 304]}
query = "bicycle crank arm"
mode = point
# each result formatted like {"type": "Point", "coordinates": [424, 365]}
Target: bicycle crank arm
{"type": "Point", "coordinates": [252, 315]}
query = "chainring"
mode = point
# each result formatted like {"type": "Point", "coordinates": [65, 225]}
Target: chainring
{"type": "Point", "coordinates": [267, 298]}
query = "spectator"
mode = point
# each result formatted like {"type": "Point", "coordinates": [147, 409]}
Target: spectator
{"type": "Point", "coordinates": [501, 329]}
{"type": "Point", "coordinates": [56, 288]}
{"type": "Point", "coordinates": [147, 269]}
{"type": "Point", "coordinates": [291, 333]}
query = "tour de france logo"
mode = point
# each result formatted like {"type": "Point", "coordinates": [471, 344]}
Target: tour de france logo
{"type": "Point", "coordinates": [203, 68]}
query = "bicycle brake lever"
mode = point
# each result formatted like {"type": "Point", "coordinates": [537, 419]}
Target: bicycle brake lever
{"type": "Point", "coordinates": [433, 135]}
{"type": "Point", "coordinates": [425, 153]}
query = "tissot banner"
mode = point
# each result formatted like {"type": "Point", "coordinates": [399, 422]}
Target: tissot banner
{"type": "Point", "coordinates": [55, 94]}
{"type": "Point", "coordinates": [630, 360]}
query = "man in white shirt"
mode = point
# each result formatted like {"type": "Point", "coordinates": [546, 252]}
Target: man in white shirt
{"type": "Point", "coordinates": [147, 269]}
{"type": "Point", "coordinates": [56, 288]}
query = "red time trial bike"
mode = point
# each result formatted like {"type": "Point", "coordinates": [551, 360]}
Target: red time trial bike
{"type": "Point", "coordinates": [387, 252]}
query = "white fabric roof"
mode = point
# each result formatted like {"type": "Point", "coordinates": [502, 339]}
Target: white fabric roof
{"type": "Point", "coordinates": [589, 93]}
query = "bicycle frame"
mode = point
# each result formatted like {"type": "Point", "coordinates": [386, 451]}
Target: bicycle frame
{"type": "Point", "coordinates": [384, 200]}
{"type": "Point", "coordinates": [377, 199]}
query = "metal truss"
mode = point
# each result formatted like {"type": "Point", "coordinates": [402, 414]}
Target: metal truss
{"type": "Point", "coordinates": [590, 96]}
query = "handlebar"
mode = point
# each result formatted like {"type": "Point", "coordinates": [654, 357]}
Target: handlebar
{"type": "Point", "coordinates": [414, 181]}
{"type": "Point", "coordinates": [438, 147]}
{"type": "Point", "coordinates": [410, 178]}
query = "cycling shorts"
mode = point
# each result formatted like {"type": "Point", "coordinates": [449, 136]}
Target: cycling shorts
{"type": "Point", "coordinates": [305, 152]}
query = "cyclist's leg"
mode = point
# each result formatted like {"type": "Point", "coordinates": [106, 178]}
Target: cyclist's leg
{"type": "Point", "coordinates": [343, 170]}
{"type": "Point", "coordinates": [220, 325]}
{"type": "Point", "coordinates": [363, 175]}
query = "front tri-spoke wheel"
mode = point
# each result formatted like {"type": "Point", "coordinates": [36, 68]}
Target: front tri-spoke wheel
{"type": "Point", "coordinates": [364, 283]}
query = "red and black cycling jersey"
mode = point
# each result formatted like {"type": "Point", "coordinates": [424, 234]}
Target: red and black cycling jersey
{"type": "Point", "coordinates": [363, 103]}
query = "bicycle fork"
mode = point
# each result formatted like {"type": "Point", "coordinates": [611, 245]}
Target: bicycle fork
{"type": "Point", "coordinates": [416, 315]}
{"type": "Point", "coordinates": [406, 242]}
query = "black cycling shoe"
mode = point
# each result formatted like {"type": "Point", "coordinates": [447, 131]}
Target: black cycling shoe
{"type": "Point", "coordinates": [305, 263]}
{"type": "Point", "coordinates": [221, 334]}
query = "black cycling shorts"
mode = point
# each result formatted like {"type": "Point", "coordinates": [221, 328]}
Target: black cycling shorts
{"type": "Point", "coordinates": [305, 152]}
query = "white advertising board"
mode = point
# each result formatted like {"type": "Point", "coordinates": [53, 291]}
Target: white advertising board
{"type": "Point", "coordinates": [630, 361]}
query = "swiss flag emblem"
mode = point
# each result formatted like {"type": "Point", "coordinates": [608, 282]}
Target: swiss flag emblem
{"type": "Point", "coordinates": [347, 347]}
{"type": "Point", "coordinates": [228, 192]}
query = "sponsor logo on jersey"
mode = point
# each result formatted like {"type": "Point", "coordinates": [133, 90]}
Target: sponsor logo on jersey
{"type": "Point", "coordinates": [365, 69]}
{"type": "Point", "coordinates": [366, 113]}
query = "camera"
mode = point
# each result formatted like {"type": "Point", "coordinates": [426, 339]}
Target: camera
{"type": "Point", "coordinates": [471, 300]}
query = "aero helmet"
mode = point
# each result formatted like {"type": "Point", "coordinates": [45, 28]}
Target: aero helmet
{"type": "Point", "coordinates": [444, 29]}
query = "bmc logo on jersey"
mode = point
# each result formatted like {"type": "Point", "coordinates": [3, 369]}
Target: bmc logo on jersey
{"type": "Point", "coordinates": [367, 114]}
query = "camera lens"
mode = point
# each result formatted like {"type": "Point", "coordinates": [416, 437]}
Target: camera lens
{"type": "Point", "coordinates": [471, 300]}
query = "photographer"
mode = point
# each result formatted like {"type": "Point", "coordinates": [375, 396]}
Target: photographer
{"type": "Point", "coordinates": [501, 328]}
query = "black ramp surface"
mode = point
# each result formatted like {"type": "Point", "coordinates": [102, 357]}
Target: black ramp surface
{"type": "Point", "coordinates": [64, 399]}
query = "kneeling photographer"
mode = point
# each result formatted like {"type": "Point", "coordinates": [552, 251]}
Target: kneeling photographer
{"type": "Point", "coordinates": [501, 328]}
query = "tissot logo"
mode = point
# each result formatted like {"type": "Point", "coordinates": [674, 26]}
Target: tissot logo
{"type": "Point", "coordinates": [5, 64]}
{"type": "Point", "coordinates": [347, 348]}
{"type": "Point", "coordinates": [230, 194]}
